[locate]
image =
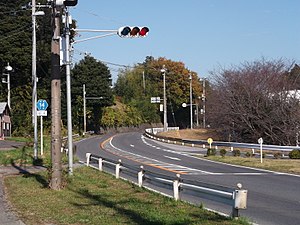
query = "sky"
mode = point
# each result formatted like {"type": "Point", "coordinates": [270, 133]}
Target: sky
{"type": "Point", "coordinates": [205, 35]}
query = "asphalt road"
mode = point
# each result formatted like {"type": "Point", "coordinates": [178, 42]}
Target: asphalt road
{"type": "Point", "coordinates": [273, 198]}
{"type": "Point", "coordinates": [8, 145]}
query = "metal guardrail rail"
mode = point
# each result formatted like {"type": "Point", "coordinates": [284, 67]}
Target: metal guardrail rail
{"type": "Point", "coordinates": [236, 198]}
{"type": "Point", "coordinates": [149, 133]}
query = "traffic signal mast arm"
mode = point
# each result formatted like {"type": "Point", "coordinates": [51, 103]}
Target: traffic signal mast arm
{"type": "Point", "coordinates": [122, 32]}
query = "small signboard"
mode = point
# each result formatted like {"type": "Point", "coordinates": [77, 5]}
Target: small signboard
{"type": "Point", "coordinates": [155, 100]}
{"type": "Point", "coordinates": [209, 141]}
{"type": "Point", "coordinates": [41, 112]}
{"type": "Point", "coordinates": [42, 106]}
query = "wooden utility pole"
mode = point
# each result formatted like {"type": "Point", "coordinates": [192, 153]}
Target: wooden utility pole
{"type": "Point", "coordinates": [56, 176]}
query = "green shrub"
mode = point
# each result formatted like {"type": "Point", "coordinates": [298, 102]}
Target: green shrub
{"type": "Point", "coordinates": [248, 154]}
{"type": "Point", "coordinates": [294, 154]}
{"type": "Point", "coordinates": [223, 152]}
{"type": "Point", "coordinates": [211, 151]}
{"type": "Point", "coordinates": [277, 155]}
{"type": "Point", "coordinates": [236, 152]}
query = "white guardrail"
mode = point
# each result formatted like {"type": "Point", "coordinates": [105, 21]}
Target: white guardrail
{"type": "Point", "coordinates": [152, 133]}
{"type": "Point", "coordinates": [236, 198]}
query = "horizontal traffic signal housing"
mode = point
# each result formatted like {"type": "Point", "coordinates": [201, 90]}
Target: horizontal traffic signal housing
{"type": "Point", "coordinates": [133, 31]}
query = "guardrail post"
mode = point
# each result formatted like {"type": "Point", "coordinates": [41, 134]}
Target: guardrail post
{"type": "Point", "coordinates": [141, 176]}
{"type": "Point", "coordinates": [88, 158]}
{"type": "Point", "coordinates": [100, 163]}
{"type": "Point", "coordinates": [240, 200]}
{"type": "Point", "coordinates": [176, 185]}
{"type": "Point", "coordinates": [118, 166]}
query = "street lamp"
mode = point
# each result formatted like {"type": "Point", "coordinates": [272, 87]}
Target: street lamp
{"type": "Point", "coordinates": [84, 107]}
{"type": "Point", "coordinates": [163, 71]}
{"type": "Point", "coordinates": [203, 100]}
{"type": "Point", "coordinates": [191, 101]}
{"type": "Point", "coordinates": [8, 69]}
{"type": "Point", "coordinates": [34, 77]}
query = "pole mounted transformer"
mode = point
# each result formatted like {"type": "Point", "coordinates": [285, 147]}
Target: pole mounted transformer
{"type": "Point", "coordinates": [66, 2]}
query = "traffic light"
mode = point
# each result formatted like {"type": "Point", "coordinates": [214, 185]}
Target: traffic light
{"type": "Point", "coordinates": [133, 31]}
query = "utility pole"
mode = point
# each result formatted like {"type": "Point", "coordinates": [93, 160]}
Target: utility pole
{"type": "Point", "coordinates": [191, 101]}
{"type": "Point", "coordinates": [84, 110]}
{"type": "Point", "coordinates": [144, 83]}
{"type": "Point", "coordinates": [56, 177]}
{"type": "Point", "coordinates": [204, 99]}
{"type": "Point", "coordinates": [163, 70]}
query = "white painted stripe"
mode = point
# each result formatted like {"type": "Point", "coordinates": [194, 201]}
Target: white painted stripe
{"type": "Point", "coordinates": [174, 158]}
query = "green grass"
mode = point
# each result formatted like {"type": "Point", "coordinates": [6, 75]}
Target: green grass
{"type": "Point", "coordinates": [93, 197]}
{"type": "Point", "coordinates": [25, 156]}
{"type": "Point", "coordinates": [19, 139]}
{"type": "Point", "coordinates": [20, 156]}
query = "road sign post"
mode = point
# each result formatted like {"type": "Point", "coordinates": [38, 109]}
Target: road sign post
{"type": "Point", "coordinates": [42, 106]}
{"type": "Point", "coordinates": [209, 141]}
{"type": "Point", "coordinates": [260, 142]}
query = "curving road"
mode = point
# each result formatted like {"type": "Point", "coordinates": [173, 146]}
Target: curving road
{"type": "Point", "coordinates": [273, 198]}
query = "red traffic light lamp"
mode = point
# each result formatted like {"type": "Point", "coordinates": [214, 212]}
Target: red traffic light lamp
{"type": "Point", "coordinates": [133, 31]}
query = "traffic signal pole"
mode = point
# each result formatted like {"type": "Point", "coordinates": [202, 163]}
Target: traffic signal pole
{"type": "Point", "coordinates": [56, 178]}
{"type": "Point", "coordinates": [68, 83]}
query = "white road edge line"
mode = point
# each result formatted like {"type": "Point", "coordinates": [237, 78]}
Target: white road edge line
{"type": "Point", "coordinates": [174, 158]}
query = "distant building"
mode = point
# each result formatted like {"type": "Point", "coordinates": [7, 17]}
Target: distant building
{"type": "Point", "coordinates": [5, 123]}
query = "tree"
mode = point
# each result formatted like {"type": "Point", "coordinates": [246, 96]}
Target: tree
{"type": "Point", "coordinates": [16, 48]}
{"type": "Point", "coordinates": [97, 79]}
{"type": "Point", "coordinates": [254, 100]}
{"type": "Point", "coordinates": [130, 87]}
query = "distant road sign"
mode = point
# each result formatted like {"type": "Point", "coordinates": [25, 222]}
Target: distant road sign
{"type": "Point", "coordinates": [209, 140]}
{"type": "Point", "coordinates": [155, 100]}
{"type": "Point", "coordinates": [260, 141]}
{"type": "Point", "coordinates": [42, 104]}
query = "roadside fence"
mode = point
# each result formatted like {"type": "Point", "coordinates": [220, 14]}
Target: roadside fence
{"type": "Point", "coordinates": [236, 198]}
{"type": "Point", "coordinates": [153, 134]}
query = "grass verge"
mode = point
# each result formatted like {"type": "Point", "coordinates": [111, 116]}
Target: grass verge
{"type": "Point", "coordinates": [24, 155]}
{"type": "Point", "coordinates": [279, 165]}
{"type": "Point", "coordinates": [92, 197]}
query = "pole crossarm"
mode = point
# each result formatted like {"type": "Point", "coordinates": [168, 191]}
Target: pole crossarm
{"type": "Point", "coordinates": [95, 98]}
{"type": "Point", "coordinates": [93, 30]}
{"type": "Point", "coordinates": [91, 38]}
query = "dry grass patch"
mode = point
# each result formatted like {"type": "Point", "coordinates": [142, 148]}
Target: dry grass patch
{"type": "Point", "coordinates": [197, 134]}
{"type": "Point", "coordinates": [279, 165]}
